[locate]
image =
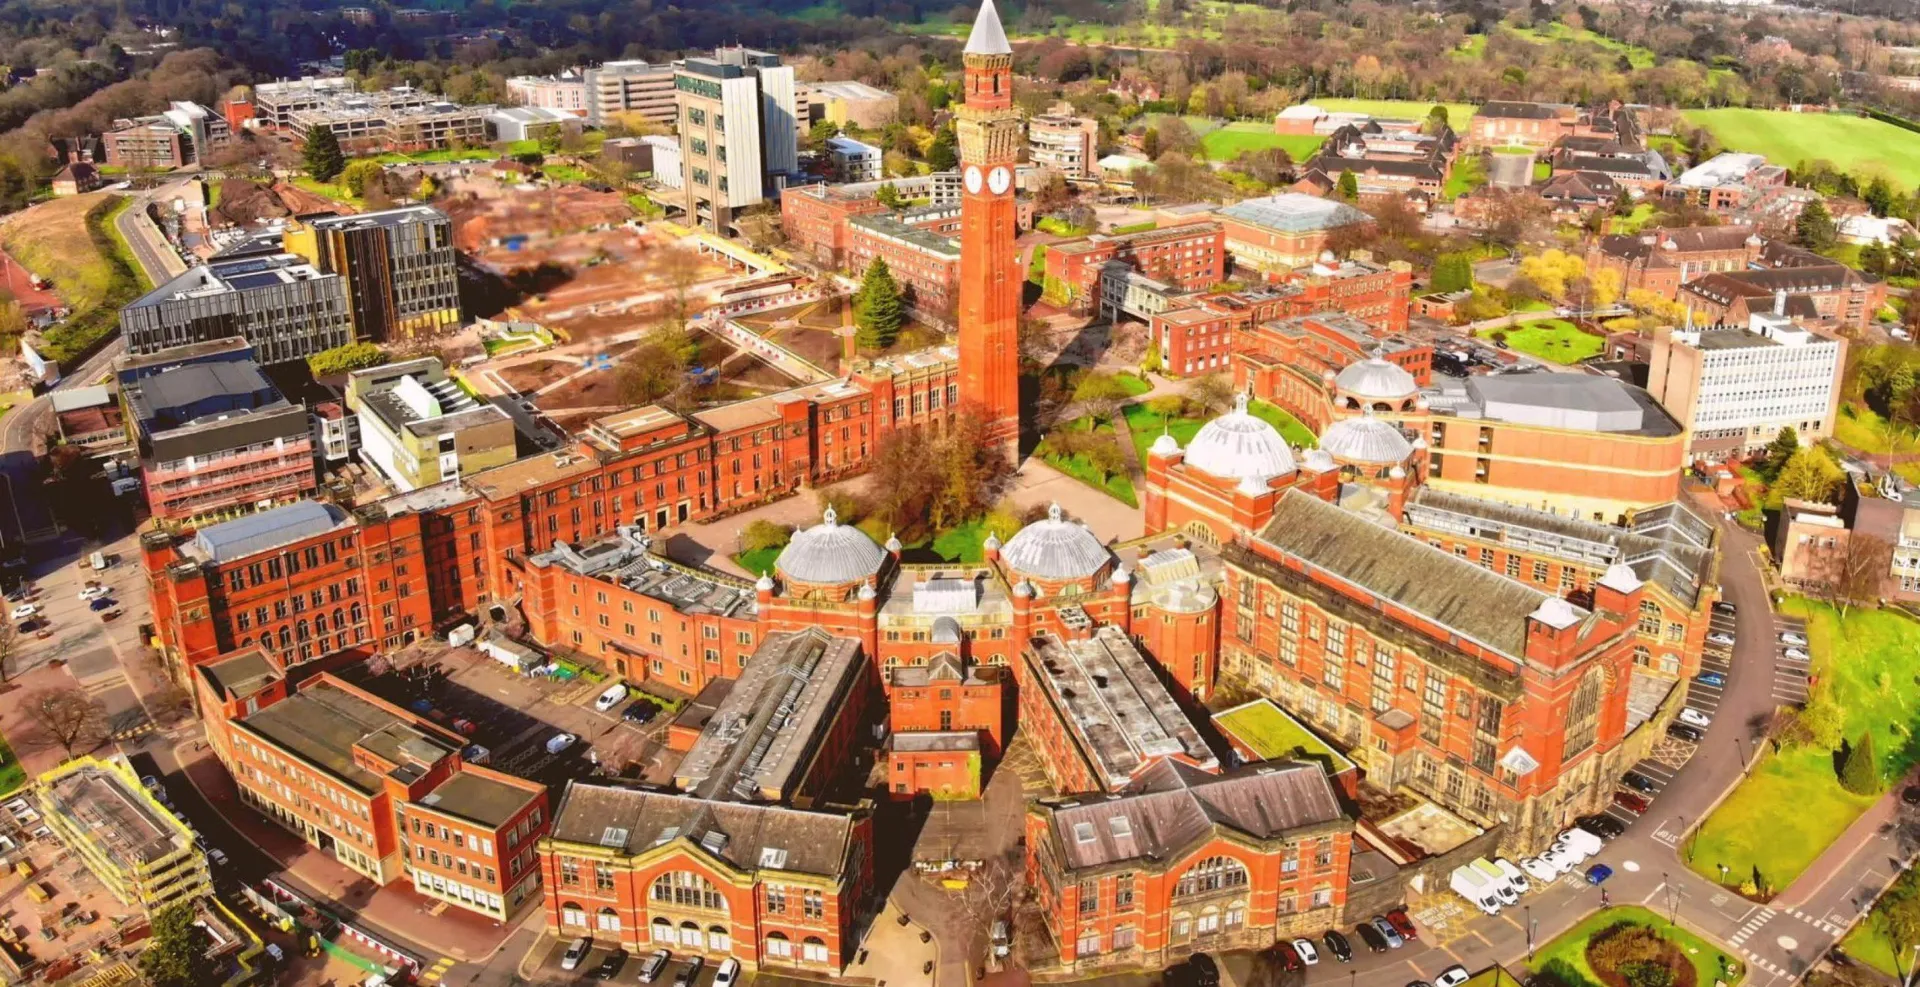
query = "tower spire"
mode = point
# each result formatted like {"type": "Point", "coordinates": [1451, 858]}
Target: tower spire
{"type": "Point", "coordinates": [988, 38]}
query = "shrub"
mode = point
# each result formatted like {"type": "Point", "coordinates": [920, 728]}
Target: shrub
{"type": "Point", "coordinates": [345, 359]}
{"type": "Point", "coordinates": [764, 534]}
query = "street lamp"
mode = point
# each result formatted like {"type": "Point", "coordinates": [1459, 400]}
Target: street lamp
{"type": "Point", "coordinates": [1741, 745]}
{"type": "Point", "coordinates": [1529, 933]}
{"type": "Point", "coordinates": [1672, 905]}
{"type": "Point", "coordinates": [1723, 874]}
{"type": "Point", "coordinates": [1916, 959]}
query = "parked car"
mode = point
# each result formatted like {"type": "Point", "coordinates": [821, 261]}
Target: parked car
{"type": "Point", "coordinates": [100, 604]}
{"type": "Point", "coordinates": [1693, 717]}
{"type": "Point", "coordinates": [729, 973]}
{"type": "Point", "coordinates": [559, 742]}
{"type": "Point", "coordinates": [1789, 637]}
{"type": "Point", "coordinates": [92, 593]}
{"type": "Point", "coordinates": [642, 711]}
{"type": "Point", "coordinates": [690, 973]}
{"type": "Point", "coordinates": [1605, 827]}
{"type": "Point", "coordinates": [1452, 976]}
{"type": "Point", "coordinates": [25, 611]}
{"type": "Point", "coordinates": [576, 951]}
{"type": "Point", "coordinates": [610, 965]}
{"type": "Point", "coordinates": [1376, 943]}
{"type": "Point", "coordinates": [1387, 931]}
{"type": "Point", "coordinates": [611, 697]}
{"type": "Point", "coordinates": [656, 964]}
{"type": "Point", "coordinates": [1598, 874]}
{"type": "Point", "coordinates": [1722, 606]}
{"type": "Point", "coordinates": [1638, 782]}
{"type": "Point", "coordinates": [1283, 954]}
{"type": "Point", "coordinates": [1308, 954]}
{"type": "Point", "coordinates": [1681, 731]}
{"type": "Point", "coordinates": [1631, 801]}
{"type": "Point", "coordinates": [1714, 679]}
{"type": "Point", "coordinates": [1337, 945]}
{"type": "Point", "coordinates": [218, 856]}
{"type": "Point", "coordinates": [1718, 637]}
{"type": "Point", "coordinates": [1403, 924]}
{"type": "Point", "coordinates": [1797, 654]}
{"type": "Point", "coordinates": [1539, 869]}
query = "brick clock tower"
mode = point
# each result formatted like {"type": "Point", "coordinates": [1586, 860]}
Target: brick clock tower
{"type": "Point", "coordinates": [988, 128]}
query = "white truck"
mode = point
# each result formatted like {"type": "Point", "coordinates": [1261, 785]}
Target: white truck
{"type": "Point", "coordinates": [1501, 886]}
{"type": "Point", "coordinates": [1477, 888]}
{"type": "Point", "coordinates": [1581, 842]}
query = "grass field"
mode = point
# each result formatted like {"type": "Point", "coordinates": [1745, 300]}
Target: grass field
{"type": "Point", "coordinates": [1856, 144]}
{"type": "Point", "coordinates": [1641, 215]}
{"type": "Point", "coordinates": [1556, 340]}
{"type": "Point", "coordinates": [1868, 944]}
{"type": "Point", "coordinates": [1566, 955]}
{"type": "Point", "coordinates": [1862, 428]}
{"type": "Point", "coordinates": [759, 560]}
{"type": "Point", "coordinates": [1146, 426]}
{"type": "Point", "coordinates": [1468, 174]}
{"type": "Point", "coordinates": [1868, 665]}
{"type": "Point", "coordinates": [1457, 113]}
{"type": "Point", "coordinates": [12, 775]}
{"type": "Point", "coordinates": [73, 243]}
{"type": "Point", "coordinates": [1641, 58]}
{"type": "Point", "coordinates": [1118, 486]}
{"type": "Point", "coordinates": [1241, 136]}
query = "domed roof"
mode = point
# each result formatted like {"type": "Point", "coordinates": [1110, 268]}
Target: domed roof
{"type": "Point", "coordinates": [829, 552]}
{"type": "Point", "coordinates": [1240, 446]}
{"type": "Point", "coordinates": [1366, 440]}
{"type": "Point", "coordinates": [1376, 379]}
{"type": "Point", "coordinates": [1055, 549]}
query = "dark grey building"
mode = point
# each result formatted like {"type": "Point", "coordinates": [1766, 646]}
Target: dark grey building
{"type": "Point", "coordinates": [399, 265]}
{"type": "Point", "coordinates": [281, 304]}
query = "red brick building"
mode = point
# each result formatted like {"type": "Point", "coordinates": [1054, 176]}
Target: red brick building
{"type": "Point", "coordinates": [926, 264]}
{"type": "Point", "coordinates": [1261, 855]}
{"type": "Point", "coordinates": [1833, 296]}
{"type": "Point", "coordinates": [1188, 257]}
{"type": "Point", "coordinates": [1062, 699]}
{"type": "Point", "coordinates": [385, 791]}
{"type": "Point", "coordinates": [1504, 704]}
{"type": "Point", "coordinates": [1660, 260]}
{"type": "Point", "coordinates": [1227, 480]}
{"type": "Point", "coordinates": [1507, 123]}
{"type": "Point", "coordinates": [1202, 334]}
{"type": "Point", "coordinates": [775, 887]}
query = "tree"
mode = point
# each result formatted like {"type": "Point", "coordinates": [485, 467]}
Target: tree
{"type": "Point", "coordinates": [1349, 187]}
{"type": "Point", "coordinates": [1878, 196]}
{"type": "Point", "coordinates": [1452, 272]}
{"type": "Point", "coordinates": [1150, 143]}
{"type": "Point", "coordinates": [944, 153]}
{"type": "Point", "coordinates": [345, 359]}
{"type": "Point", "coordinates": [1553, 272]}
{"type": "Point", "coordinates": [322, 155]}
{"type": "Point", "coordinates": [359, 174]}
{"type": "Point", "coordinates": [68, 716]}
{"type": "Point", "coordinates": [1820, 723]}
{"type": "Point", "coordinates": [1811, 475]}
{"type": "Point", "coordinates": [1860, 771]}
{"type": "Point", "coordinates": [1781, 449]}
{"type": "Point", "coordinates": [889, 195]}
{"type": "Point", "coordinates": [878, 309]}
{"type": "Point", "coordinates": [1862, 569]}
{"type": "Point", "coordinates": [176, 954]}
{"type": "Point", "coordinates": [1101, 394]}
{"type": "Point", "coordinates": [764, 534]}
{"type": "Point", "coordinates": [1437, 120]}
{"type": "Point", "coordinates": [1815, 229]}
{"type": "Point", "coordinates": [1213, 393]}
{"type": "Point", "coordinates": [427, 189]}
{"type": "Point", "coordinates": [9, 649]}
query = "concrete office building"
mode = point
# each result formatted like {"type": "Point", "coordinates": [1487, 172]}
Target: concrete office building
{"type": "Point", "coordinates": [519, 123]}
{"type": "Point", "coordinates": [849, 103]}
{"type": "Point", "coordinates": [566, 91]}
{"type": "Point", "coordinates": [276, 102]}
{"type": "Point", "coordinates": [418, 428]}
{"type": "Point", "coordinates": [1736, 387]}
{"type": "Point", "coordinates": [632, 86]}
{"type": "Point", "coordinates": [398, 265]}
{"type": "Point", "coordinates": [738, 140]}
{"type": "Point", "coordinates": [854, 161]}
{"type": "Point", "coordinates": [182, 134]}
{"type": "Point", "coordinates": [287, 308]}
{"type": "Point", "coordinates": [1067, 144]}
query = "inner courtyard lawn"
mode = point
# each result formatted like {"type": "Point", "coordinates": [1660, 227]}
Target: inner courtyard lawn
{"type": "Point", "coordinates": [1146, 426]}
{"type": "Point", "coordinates": [1556, 340]}
{"type": "Point", "coordinates": [1867, 663]}
{"type": "Point", "coordinates": [1566, 955]}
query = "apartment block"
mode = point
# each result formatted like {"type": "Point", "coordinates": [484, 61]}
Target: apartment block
{"type": "Point", "coordinates": [853, 161]}
{"type": "Point", "coordinates": [1067, 144]}
{"type": "Point", "coordinates": [1735, 387]}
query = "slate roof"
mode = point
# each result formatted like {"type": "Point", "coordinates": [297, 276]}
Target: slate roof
{"type": "Point", "coordinates": [1724, 287]}
{"type": "Point", "coordinates": [1686, 238]}
{"type": "Point", "coordinates": [1173, 808]}
{"type": "Point", "coordinates": [634, 821]}
{"type": "Point", "coordinates": [1580, 186]}
{"type": "Point", "coordinates": [1450, 591]}
{"type": "Point", "coordinates": [1514, 110]}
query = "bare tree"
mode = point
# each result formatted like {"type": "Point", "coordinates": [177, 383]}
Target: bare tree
{"type": "Point", "coordinates": [68, 716]}
{"type": "Point", "coordinates": [1214, 392]}
{"type": "Point", "coordinates": [1861, 569]}
{"type": "Point", "coordinates": [991, 889]}
{"type": "Point", "coordinates": [9, 649]}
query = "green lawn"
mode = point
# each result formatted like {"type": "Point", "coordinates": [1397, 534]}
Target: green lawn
{"type": "Point", "coordinates": [1059, 227]}
{"type": "Point", "coordinates": [1457, 113]}
{"type": "Point", "coordinates": [1271, 733]}
{"type": "Point", "coordinates": [759, 560]}
{"type": "Point", "coordinates": [1241, 136]}
{"type": "Point", "coordinates": [1868, 944]}
{"type": "Point", "coordinates": [1555, 340]}
{"type": "Point", "coordinates": [1566, 955]}
{"type": "Point", "coordinates": [1468, 174]}
{"type": "Point", "coordinates": [962, 543]}
{"type": "Point", "coordinates": [1641, 58]}
{"type": "Point", "coordinates": [1037, 268]}
{"type": "Point", "coordinates": [443, 155]}
{"type": "Point", "coordinates": [1133, 384]}
{"type": "Point", "coordinates": [12, 775]}
{"type": "Point", "coordinates": [1119, 486]}
{"type": "Point", "coordinates": [1862, 428]}
{"type": "Point", "coordinates": [1146, 426]}
{"type": "Point", "coordinates": [1471, 50]}
{"type": "Point", "coordinates": [329, 190]}
{"type": "Point", "coordinates": [1868, 665]}
{"type": "Point", "coordinates": [1853, 143]}
{"type": "Point", "coordinates": [1134, 228]}
{"type": "Point", "coordinates": [1641, 215]}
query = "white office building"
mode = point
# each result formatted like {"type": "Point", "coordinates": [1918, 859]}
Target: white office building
{"type": "Point", "coordinates": [1736, 387]}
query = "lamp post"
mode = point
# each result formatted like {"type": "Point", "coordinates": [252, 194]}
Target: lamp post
{"type": "Point", "coordinates": [1916, 959]}
{"type": "Point", "coordinates": [1741, 745]}
{"type": "Point", "coordinates": [1723, 875]}
{"type": "Point", "coordinates": [1529, 933]}
{"type": "Point", "coordinates": [1672, 905]}
{"type": "Point", "coordinates": [1685, 835]}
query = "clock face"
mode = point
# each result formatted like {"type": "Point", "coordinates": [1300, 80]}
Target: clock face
{"type": "Point", "coordinates": [973, 180]}
{"type": "Point", "coordinates": [1000, 180]}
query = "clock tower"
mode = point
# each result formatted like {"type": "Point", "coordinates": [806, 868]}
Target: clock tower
{"type": "Point", "coordinates": [988, 127]}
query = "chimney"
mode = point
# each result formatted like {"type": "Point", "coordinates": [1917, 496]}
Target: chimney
{"type": "Point", "coordinates": [1780, 302]}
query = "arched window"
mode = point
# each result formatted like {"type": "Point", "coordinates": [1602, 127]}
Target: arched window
{"type": "Point", "coordinates": [1210, 875]}
{"type": "Point", "coordinates": [572, 914]}
{"type": "Point", "coordinates": [690, 935]}
{"type": "Point", "coordinates": [685, 889]}
{"type": "Point", "coordinates": [779, 946]}
{"type": "Point", "coordinates": [663, 931]}
{"type": "Point", "coordinates": [609, 920]}
{"type": "Point", "coordinates": [813, 950]}
{"type": "Point", "coordinates": [719, 940]}
{"type": "Point", "coordinates": [1649, 617]}
{"type": "Point", "coordinates": [320, 624]}
{"type": "Point", "coordinates": [354, 611]}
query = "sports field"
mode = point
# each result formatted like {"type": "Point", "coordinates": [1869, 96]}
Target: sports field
{"type": "Point", "coordinates": [1856, 144]}
{"type": "Point", "coordinates": [1241, 136]}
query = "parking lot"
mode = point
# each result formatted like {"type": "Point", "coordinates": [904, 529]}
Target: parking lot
{"type": "Point", "coordinates": [1790, 661]}
{"type": "Point", "coordinates": [590, 971]}
{"type": "Point", "coordinates": [515, 716]}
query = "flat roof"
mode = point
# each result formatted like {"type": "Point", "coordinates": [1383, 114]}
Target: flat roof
{"type": "Point", "coordinates": [769, 726]}
{"type": "Point", "coordinates": [118, 815]}
{"type": "Point", "coordinates": [323, 723]}
{"type": "Point", "coordinates": [264, 530]}
{"type": "Point", "coordinates": [385, 217]}
{"type": "Point", "coordinates": [1111, 699]}
{"type": "Point", "coordinates": [224, 277]}
{"type": "Point", "coordinates": [480, 796]}
{"type": "Point", "coordinates": [243, 674]}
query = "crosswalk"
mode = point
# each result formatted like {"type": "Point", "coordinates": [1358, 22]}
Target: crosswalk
{"type": "Point", "coordinates": [1744, 938]}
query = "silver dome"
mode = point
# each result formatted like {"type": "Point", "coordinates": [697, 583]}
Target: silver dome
{"type": "Point", "coordinates": [1375, 379]}
{"type": "Point", "coordinates": [1240, 446]}
{"type": "Point", "coordinates": [830, 552]}
{"type": "Point", "coordinates": [1366, 440]}
{"type": "Point", "coordinates": [1055, 549]}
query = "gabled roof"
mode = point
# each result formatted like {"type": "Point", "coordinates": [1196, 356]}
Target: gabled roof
{"type": "Point", "coordinates": [1513, 110]}
{"type": "Point", "coordinates": [749, 836]}
{"type": "Point", "coordinates": [1580, 186]}
{"type": "Point", "coordinates": [1450, 591]}
{"type": "Point", "coordinates": [1174, 807]}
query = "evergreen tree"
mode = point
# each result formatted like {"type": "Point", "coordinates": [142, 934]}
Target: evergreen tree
{"type": "Point", "coordinates": [1349, 186]}
{"type": "Point", "coordinates": [1150, 144]}
{"type": "Point", "coordinates": [878, 308]}
{"type": "Point", "coordinates": [323, 158]}
{"type": "Point", "coordinates": [1879, 196]}
{"type": "Point", "coordinates": [889, 195]}
{"type": "Point", "coordinates": [1815, 229]}
{"type": "Point", "coordinates": [1452, 272]}
{"type": "Point", "coordinates": [176, 955]}
{"type": "Point", "coordinates": [944, 154]}
{"type": "Point", "coordinates": [1437, 120]}
{"type": "Point", "coordinates": [1860, 772]}
{"type": "Point", "coordinates": [1781, 449]}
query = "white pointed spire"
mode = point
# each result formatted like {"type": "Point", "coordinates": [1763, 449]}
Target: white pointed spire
{"type": "Point", "coordinates": [988, 38]}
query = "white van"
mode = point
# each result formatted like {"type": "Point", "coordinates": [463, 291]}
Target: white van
{"type": "Point", "coordinates": [610, 698]}
{"type": "Point", "coordinates": [97, 560]}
